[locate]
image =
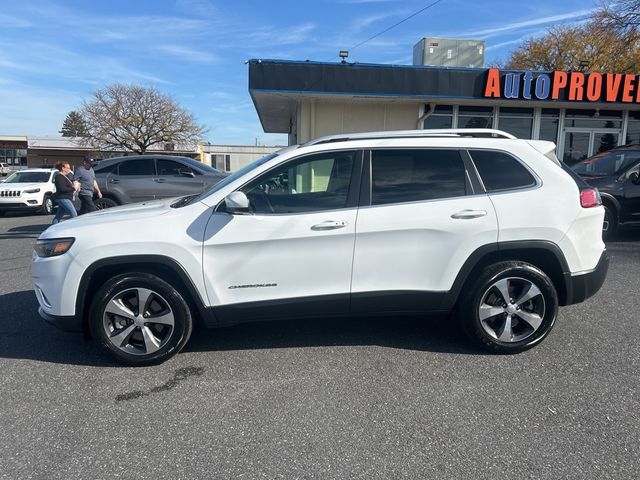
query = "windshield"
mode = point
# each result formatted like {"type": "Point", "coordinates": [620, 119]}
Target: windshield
{"type": "Point", "coordinates": [28, 177]}
{"type": "Point", "coordinates": [605, 164]}
{"type": "Point", "coordinates": [201, 166]}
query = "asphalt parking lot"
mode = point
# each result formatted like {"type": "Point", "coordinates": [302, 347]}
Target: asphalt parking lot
{"type": "Point", "coordinates": [381, 398]}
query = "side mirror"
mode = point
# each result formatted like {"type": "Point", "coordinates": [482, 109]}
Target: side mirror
{"type": "Point", "coordinates": [635, 179]}
{"type": "Point", "coordinates": [236, 203]}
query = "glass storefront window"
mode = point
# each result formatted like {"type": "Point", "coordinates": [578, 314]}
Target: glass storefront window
{"type": "Point", "coordinates": [549, 120]}
{"type": "Point", "coordinates": [13, 156]}
{"type": "Point", "coordinates": [516, 121]}
{"type": "Point", "coordinates": [442, 117]}
{"type": "Point", "coordinates": [475, 117]}
{"type": "Point", "coordinates": [633, 128]}
{"type": "Point", "coordinates": [591, 118]}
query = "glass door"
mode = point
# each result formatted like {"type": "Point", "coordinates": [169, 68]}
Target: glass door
{"type": "Point", "coordinates": [583, 143]}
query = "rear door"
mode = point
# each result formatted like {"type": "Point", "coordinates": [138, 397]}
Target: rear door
{"type": "Point", "coordinates": [175, 179]}
{"type": "Point", "coordinates": [420, 220]}
{"type": "Point", "coordinates": [134, 180]}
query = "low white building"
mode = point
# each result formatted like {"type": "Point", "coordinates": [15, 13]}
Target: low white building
{"type": "Point", "coordinates": [230, 158]}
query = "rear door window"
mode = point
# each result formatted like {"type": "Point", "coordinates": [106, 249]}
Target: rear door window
{"type": "Point", "coordinates": [141, 166]}
{"type": "Point", "coordinates": [415, 175]}
{"type": "Point", "coordinates": [501, 171]}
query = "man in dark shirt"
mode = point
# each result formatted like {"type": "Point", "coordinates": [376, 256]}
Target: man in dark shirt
{"type": "Point", "coordinates": [87, 178]}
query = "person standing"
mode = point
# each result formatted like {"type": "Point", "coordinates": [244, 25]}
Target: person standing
{"type": "Point", "coordinates": [88, 185]}
{"type": "Point", "coordinates": [65, 191]}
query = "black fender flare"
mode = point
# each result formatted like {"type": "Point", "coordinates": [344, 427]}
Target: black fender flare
{"type": "Point", "coordinates": [131, 260]}
{"type": "Point", "coordinates": [508, 250]}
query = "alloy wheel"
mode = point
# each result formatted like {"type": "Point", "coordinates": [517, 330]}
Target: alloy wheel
{"type": "Point", "coordinates": [512, 309]}
{"type": "Point", "coordinates": [138, 321]}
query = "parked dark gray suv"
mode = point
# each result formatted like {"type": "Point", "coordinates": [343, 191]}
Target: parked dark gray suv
{"type": "Point", "coordinates": [147, 177]}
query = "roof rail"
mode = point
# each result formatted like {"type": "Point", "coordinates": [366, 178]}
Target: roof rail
{"type": "Point", "coordinates": [440, 132]}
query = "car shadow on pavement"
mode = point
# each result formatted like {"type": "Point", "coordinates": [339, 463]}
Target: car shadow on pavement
{"type": "Point", "coordinates": [24, 335]}
{"type": "Point", "coordinates": [625, 235]}
{"type": "Point", "coordinates": [25, 231]}
{"type": "Point", "coordinates": [433, 334]}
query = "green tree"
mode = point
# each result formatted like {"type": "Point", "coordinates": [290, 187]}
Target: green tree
{"type": "Point", "coordinates": [135, 118]}
{"type": "Point", "coordinates": [74, 125]}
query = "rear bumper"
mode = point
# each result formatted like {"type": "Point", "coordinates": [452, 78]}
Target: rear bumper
{"type": "Point", "coordinates": [68, 324]}
{"type": "Point", "coordinates": [581, 287]}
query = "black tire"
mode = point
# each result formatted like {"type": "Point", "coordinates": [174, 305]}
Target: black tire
{"type": "Point", "coordinates": [610, 224]}
{"type": "Point", "coordinates": [512, 327]}
{"type": "Point", "coordinates": [138, 338]}
{"type": "Point", "coordinates": [105, 202]}
{"type": "Point", "coordinates": [47, 205]}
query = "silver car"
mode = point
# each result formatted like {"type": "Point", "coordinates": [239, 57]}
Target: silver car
{"type": "Point", "coordinates": [147, 177]}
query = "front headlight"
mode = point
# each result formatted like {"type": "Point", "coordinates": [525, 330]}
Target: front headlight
{"type": "Point", "coordinates": [33, 190]}
{"type": "Point", "coordinates": [52, 247]}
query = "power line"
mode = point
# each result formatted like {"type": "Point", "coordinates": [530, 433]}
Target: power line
{"type": "Point", "coordinates": [395, 25]}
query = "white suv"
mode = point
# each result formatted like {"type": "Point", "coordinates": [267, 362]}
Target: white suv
{"type": "Point", "coordinates": [30, 189]}
{"type": "Point", "coordinates": [473, 222]}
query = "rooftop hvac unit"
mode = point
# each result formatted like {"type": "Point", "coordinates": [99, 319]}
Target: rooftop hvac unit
{"type": "Point", "coordinates": [448, 52]}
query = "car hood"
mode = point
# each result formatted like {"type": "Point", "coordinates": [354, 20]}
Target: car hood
{"type": "Point", "coordinates": [132, 213]}
{"type": "Point", "coordinates": [21, 186]}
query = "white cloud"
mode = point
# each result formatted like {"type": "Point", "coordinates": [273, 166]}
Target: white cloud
{"type": "Point", "coordinates": [575, 16]}
{"type": "Point", "coordinates": [188, 54]}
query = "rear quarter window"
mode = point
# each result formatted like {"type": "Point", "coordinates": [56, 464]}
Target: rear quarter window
{"type": "Point", "coordinates": [500, 171]}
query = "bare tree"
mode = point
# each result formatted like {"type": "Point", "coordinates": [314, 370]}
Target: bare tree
{"type": "Point", "coordinates": [135, 118]}
{"type": "Point", "coordinates": [622, 15]}
{"type": "Point", "coordinates": [595, 44]}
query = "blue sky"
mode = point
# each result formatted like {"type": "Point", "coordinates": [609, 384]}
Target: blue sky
{"type": "Point", "coordinates": [55, 53]}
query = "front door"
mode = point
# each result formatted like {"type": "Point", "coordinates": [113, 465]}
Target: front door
{"type": "Point", "coordinates": [631, 196]}
{"type": "Point", "coordinates": [175, 179]}
{"type": "Point", "coordinates": [581, 143]}
{"type": "Point", "coordinates": [292, 256]}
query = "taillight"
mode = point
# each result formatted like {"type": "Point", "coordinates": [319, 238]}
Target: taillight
{"type": "Point", "coordinates": [590, 197]}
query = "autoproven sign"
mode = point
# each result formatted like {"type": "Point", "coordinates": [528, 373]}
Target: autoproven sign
{"type": "Point", "coordinates": [558, 85]}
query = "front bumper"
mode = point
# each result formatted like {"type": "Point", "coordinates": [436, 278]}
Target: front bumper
{"type": "Point", "coordinates": [68, 324]}
{"type": "Point", "coordinates": [31, 204]}
{"type": "Point", "coordinates": [581, 287]}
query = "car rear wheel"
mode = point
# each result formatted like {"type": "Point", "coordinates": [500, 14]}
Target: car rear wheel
{"type": "Point", "coordinates": [105, 202]}
{"type": "Point", "coordinates": [140, 319]}
{"type": "Point", "coordinates": [510, 308]}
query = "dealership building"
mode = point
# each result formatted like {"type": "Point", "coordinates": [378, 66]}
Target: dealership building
{"type": "Point", "coordinates": [582, 112]}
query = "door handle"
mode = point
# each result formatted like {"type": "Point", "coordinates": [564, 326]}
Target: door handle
{"type": "Point", "coordinates": [468, 214]}
{"type": "Point", "coordinates": [159, 180]}
{"type": "Point", "coordinates": [330, 225]}
{"type": "Point", "coordinates": [114, 180]}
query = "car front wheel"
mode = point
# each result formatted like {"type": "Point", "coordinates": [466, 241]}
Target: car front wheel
{"type": "Point", "coordinates": [47, 205]}
{"type": "Point", "coordinates": [510, 308]}
{"type": "Point", "coordinates": [140, 319]}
